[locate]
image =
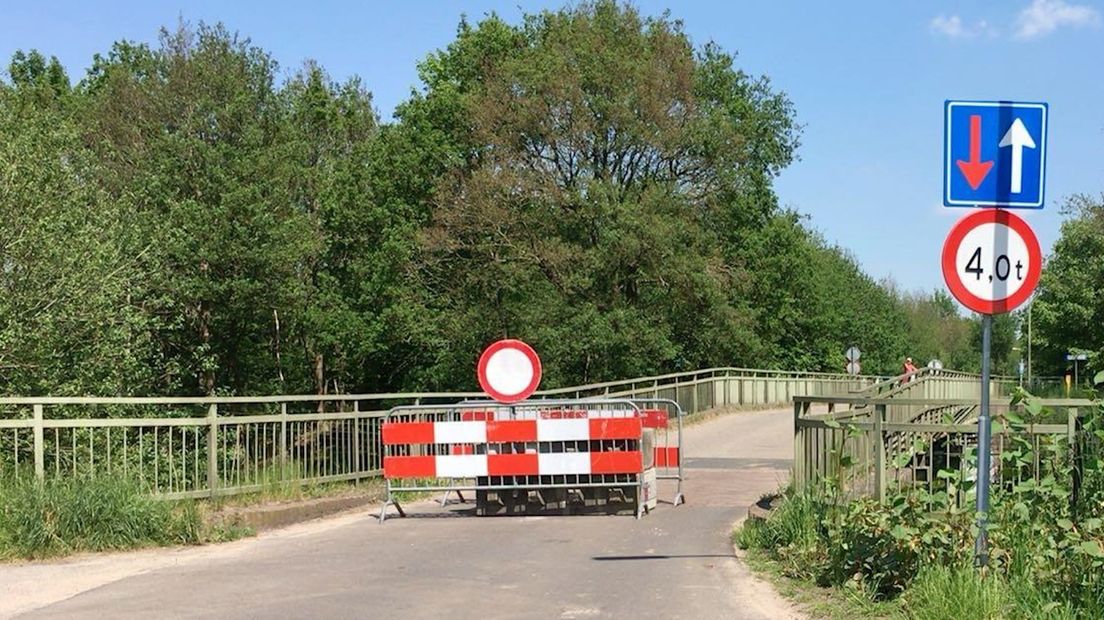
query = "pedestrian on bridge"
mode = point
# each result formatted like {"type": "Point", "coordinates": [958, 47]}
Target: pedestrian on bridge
{"type": "Point", "coordinates": [908, 369]}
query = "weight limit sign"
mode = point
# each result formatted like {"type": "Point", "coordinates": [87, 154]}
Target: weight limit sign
{"type": "Point", "coordinates": [992, 261]}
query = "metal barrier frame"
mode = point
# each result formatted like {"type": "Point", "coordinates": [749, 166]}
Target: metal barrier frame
{"type": "Point", "coordinates": [535, 404]}
{"type": "Point", "coordinates": [678, 477]}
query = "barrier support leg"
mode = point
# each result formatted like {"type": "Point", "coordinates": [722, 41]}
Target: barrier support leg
{"type": "Point", "coordinates": [459, 495]}
{"type": "Point", "coordinates": [390, 501]}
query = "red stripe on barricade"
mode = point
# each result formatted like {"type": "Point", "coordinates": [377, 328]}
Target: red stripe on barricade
{"type": "Point", "coordinates": [503, 431]}
{"type": "Point", "coordinates": [462, 448]}
{"type": "Point", "coordinates": [615, 428]}
{"type": "Point", "coordinates": [616, 462]}
{"type": "Point", "coordinates": [476, 416]}
{"type": "Point", "coordinates": [654, 418]}
{"type": "Point", "coordinates": [409, 467]}
{"type": "Point", "coordinates": [513, 465]}
{"type": "Point", "coordinates": [666, 456]}
{"type": "Point", "coordinates": [407, 433]}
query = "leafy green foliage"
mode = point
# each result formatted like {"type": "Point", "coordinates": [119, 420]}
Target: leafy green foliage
{"type": "Point", "coordinates": [181, 222]}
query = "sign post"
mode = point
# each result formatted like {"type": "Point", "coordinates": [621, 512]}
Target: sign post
{"type": "Point", "coordinates": [991, 263]}
{"type": "Point", "coordinates": [985, 448]}
{"type": "Point", "coordinates": [994, 156]}
{"type": "Point", "coordinates": [1076, 357]}
{"type": "Point", "coordinates": [854, 367]}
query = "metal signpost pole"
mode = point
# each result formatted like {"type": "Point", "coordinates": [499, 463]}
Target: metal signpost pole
{"type": "Point", "coordinates": [981, 546]}
{"type": "Point", "coordinates": [1029, 305]}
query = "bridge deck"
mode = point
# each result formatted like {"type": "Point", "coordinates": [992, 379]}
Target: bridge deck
{"type": "Point", "coordinates": [674, 563]}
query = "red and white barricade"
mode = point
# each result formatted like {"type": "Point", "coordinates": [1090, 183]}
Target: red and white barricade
{"type": "Point", "coordinates": [502, 450]}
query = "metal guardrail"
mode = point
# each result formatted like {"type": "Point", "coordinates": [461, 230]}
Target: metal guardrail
{"type": "Point", "coordinates": [181, 447]}
{"type": "Point", "coordinates": [909, 429]}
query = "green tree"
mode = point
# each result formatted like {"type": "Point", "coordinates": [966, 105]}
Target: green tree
{"type": "Point", "coordinates": [1068, 311]}
{"type": "Point", "coordinates": [188, 135]}
{"type": "Point", "coordinates": [607, 167]}
{"type": "Point", "coordinates": [68, 324]}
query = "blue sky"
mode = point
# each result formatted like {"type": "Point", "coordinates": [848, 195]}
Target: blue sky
{"type": "Point", "coordinates": [868, 80]}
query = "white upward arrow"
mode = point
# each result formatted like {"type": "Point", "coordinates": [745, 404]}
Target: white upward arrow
{"type": "Point", "coordinates": [1018, 138]}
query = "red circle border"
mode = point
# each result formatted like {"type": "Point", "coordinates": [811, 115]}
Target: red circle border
{"type": "Point", "coordinates": [950, 252]}
{"type": "Point", "coordinates": [485, 358]}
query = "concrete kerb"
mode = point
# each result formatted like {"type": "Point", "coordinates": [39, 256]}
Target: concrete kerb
{"type": "Point", "coordinates": [264, 517]}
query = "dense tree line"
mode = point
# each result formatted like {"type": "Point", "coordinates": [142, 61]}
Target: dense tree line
{"type": "Point", "coordinates": [180, 221]}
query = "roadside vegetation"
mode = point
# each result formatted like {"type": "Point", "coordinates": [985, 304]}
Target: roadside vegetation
{"type": "Point", "coordinates": [912, 556]}
{"type": "Point", "coordinates": [65, 516]}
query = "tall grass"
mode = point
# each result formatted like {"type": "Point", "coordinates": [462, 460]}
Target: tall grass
{"type": "Point", "coordinates": [953, 592]}
{"type": "Point", "coordinates": [946, 593]}
{"type": "Point", "coordinates": [71, 515]}
{"type": "Point", "coordinates": [793, 523]}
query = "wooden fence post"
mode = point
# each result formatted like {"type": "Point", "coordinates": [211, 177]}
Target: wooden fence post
{"type": "Point", "coordinates": [798, 451]}
{"type": "Point", "coordinates": [283, 439]}
{"type": "Point", "coordinates": [212, 449]}
{"type": "Point", "coordinates": [39, 445]}
{"type": "Point", "coordinates": [879, 451]}
{"type": "Point", "coordinates": [356, 440]}
{"type": "Point", "coordinates": [1074, 455]}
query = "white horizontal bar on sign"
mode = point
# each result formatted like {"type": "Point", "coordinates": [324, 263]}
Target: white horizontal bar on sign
{"type": "Point", "coordinates": [571, 429]}
{"type": "Point", "coordinates": [460, 432]}
{"type": "Point", "coordinates": [557, 463]}
{"type": "Point", "coordinates": [461, 465]}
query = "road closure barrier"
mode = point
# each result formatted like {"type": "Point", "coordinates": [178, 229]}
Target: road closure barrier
{"type": "Point", "coordinates": [586, 453]}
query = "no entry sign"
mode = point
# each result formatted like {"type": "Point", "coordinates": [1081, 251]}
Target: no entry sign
{"type": "Point", "coordinates": [992, 261]}
{"type": "Point", "coordinates": [509, 371]}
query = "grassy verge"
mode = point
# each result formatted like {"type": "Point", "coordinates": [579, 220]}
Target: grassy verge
{"type": "Point", "coordinates": [817, 601]}
{"type": "Point", "coordinates": [70, 516]}
{"type": "Point", "coordinates": [62, 517]}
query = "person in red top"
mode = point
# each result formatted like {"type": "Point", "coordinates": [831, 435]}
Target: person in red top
{"type": "Point", "coordinates": [908, 368]}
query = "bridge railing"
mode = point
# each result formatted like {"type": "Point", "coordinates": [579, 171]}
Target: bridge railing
{"type": "Point", "coordinates": [210, 446]}
{"type": "Point", "coordinates": [911, 431]}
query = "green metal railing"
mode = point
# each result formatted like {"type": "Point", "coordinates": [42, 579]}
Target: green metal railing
{"type": "Point", "coordinates": [207, 447]}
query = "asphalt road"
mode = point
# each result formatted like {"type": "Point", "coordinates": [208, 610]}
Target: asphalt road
{"type": "Point", "coordinates": [674, 563]}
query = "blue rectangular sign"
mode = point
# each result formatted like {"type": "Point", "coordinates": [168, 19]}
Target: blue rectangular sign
{"type": "Point", "coordinates": [994, 154]}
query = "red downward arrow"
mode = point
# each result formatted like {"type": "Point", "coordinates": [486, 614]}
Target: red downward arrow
{"type": "Point", "coordinates": [975, 170]}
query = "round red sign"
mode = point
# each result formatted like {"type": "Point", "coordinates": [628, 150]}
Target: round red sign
{"type": "Point", "coordinates": [992, 261]}
{"type": "Point", "coordinates": [509, 371]}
